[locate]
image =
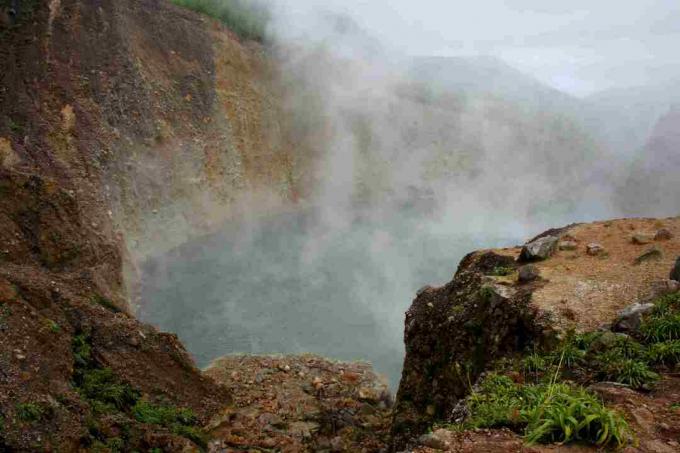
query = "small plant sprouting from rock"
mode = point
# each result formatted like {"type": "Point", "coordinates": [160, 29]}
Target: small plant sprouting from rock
{"type": "Point", "coordinates": [502, 271]}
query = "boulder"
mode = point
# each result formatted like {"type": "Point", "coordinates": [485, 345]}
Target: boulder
{"type": "Point", "coordinates": [661, 288]}
{"type": "Point", "coordinates": [675, 272]}
{"type": "Point", "coordinates": [528, 273]}
{"type": "Point", "coordinates": [595, 249]}
{"type": "Point", "coordinates": [642, 238]}
{"type": "Point", "coordinates": [664, 234]}
{"type": "Point", "coordinates": [652, 253]}
{"type": "Point", "coordinates": [629, 318]}
{"type": "Point", "coordinates": [539, 249]}
{"type": "Point", "coordinates": [568, 245]}
{"type": "Point", "coordinates": [605, 341]}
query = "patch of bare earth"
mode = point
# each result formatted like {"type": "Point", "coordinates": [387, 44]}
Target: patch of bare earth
{"type": "Point", "coordinates": [584, 291]}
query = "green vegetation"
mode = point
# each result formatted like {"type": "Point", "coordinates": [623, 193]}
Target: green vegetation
{"type": "Point", "coordinates": [106, 303]}
{"type": "Point", "coordinates": [550, 407]}
{"type": "Point", "coordinates": [248, 19]}
{"type": "Point", "coordinates": [551, 412]}
{"type": "Point", "coordinates": [663, 324]}
{"type": "Point", "coordinates": [106, 394]}
{"type": "Point", "coordinates": [30, 412]}
{"type": "Point", "coordinates": [502, 271]}
{"type": "Point", "coordinates": [52, 326]}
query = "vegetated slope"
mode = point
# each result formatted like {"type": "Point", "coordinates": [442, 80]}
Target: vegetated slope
{"type": "Point", "coordinates": [509, 342]}
{"type": "Point", "coordinates": [117, 118]}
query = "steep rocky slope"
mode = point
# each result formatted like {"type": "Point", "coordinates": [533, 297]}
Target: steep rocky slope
{"type": "Point", "coordinates": [117, 118]}
{"type": "Point", "coordinates": [498, 306]}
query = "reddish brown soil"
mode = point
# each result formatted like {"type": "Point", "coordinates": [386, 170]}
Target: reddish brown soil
{"type": "Point", "coordinates": [585, 291]}
{"type": "Point", "coordinates": [300, 403]}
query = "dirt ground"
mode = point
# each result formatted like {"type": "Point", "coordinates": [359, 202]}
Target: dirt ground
{"type": "Point", "coordinates": [584, 291]}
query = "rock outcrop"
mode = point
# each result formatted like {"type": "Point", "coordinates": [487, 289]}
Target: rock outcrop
{"type": "Point", "coordinates": [452, 333]}
{"type": "Point", "coordinates": [455, 333]}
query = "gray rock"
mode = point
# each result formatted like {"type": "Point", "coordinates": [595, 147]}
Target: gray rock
{"type": "Point", "coordinates": [642, 238]}
{"type": "Point", "coordinates": [568, 245]}
{"type": "Point", "coordinates": [664, 234]}
{"type": "Point", "coordinates": [652, 253]}
{"type": "Point", "coordinates": [540, 249]}
{"type": "Point", "coordinates": [432, 441]}
{"type": "Point", "coordinates": [528, 273]}
{"type": "Point", "coordinates": [661, 288]}
{"type": "Point", "coordinates": [675, 272]}
{"type": "Point", "coordinates": [595, 249]}
{"type": "Point", "coordinates": [605, 341]}
{"type": "Point", "coordinates": [630, 317]}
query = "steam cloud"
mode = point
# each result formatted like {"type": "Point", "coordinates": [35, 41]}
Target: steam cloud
{"type": "Point", "coordinates": [418, 161]}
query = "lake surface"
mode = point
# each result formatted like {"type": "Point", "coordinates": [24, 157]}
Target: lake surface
{"type": "Point", "coordinates": [293, 284]}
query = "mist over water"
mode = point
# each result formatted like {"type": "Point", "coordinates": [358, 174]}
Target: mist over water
{"type": "Point", "coordinates": [286, 287]}
{"type": "Point", "coordinates": [416, 163]}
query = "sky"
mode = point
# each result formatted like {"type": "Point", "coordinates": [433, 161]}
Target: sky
{"type": "Point", "coordinates": [579, 46]}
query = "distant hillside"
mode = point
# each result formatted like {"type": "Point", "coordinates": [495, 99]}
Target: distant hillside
{"type": "Point", "coordinates": [651, 187]}
{"type": "Point", "coordinates": [489, 76]}
{"type": "Point", "coordinates": [625, 117]}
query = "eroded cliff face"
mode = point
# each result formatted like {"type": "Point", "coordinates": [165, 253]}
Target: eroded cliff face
{"type": "Point", "coordinates": [503, 304]}
{"type": "Point", "coordinates": [123, 125]}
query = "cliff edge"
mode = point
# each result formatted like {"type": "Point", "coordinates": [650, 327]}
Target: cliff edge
{"type": "Point", "coordinates": [586, 289]}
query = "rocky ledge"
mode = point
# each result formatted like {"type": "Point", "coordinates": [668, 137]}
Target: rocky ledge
{"type": "Point", "coordinates": [578, 305]}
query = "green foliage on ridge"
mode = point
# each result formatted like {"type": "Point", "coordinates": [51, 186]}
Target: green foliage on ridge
{"type": "Point", "coordinates": [248, 19]}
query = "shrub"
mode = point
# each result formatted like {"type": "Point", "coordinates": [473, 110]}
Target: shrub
{"type": "Point", "coordinates": [534, 363]}
{"type": "Point", "coordinates": [30, 412]}
{"type": "Point", "coordinates": [545, 412]}
{"type": "Point", "coordinates": [498, 403]}
{"type": "Point", "coordinates": [664, 322]}
{"type": "Point", "coordinates": [502, 271]}
{"type": "Point", "coordinates": [615, 365]}
{"type": "Point", "coordinates": [566, 414]}
{"type": "Point", "coordinates": [180, 421]}
{"type": "Point", "coordinates": [101, 386]}
{"type": "Point", "coordinates": [661, 327]}
{"type": "Point", "coordinates": [664, 353]}
{"type": "Point", "coordinates": [248, 19]}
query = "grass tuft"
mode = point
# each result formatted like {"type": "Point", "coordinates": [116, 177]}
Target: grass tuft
{"type": "Point", "coordinates": [545, 413]}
